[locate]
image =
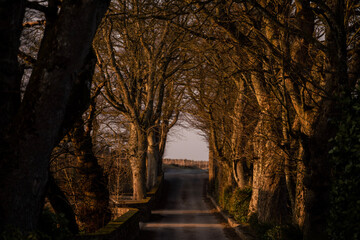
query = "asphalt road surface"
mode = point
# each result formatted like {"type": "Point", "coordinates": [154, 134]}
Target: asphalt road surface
{"type": "Point", "coordinates": [185, 213]}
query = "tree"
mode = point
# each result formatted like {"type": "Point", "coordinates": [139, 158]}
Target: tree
{"type": "Point", "coordinates": [34, 126]}
{"type": "Point", "coordinates": [141, 56]}
{"type": "Point", "coordinates": [92, 194]}
{"type": "Point", "coordinates": [297, 58]}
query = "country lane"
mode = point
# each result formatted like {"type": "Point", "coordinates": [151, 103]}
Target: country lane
{"type": "Point", "coordinates": [185, 213]}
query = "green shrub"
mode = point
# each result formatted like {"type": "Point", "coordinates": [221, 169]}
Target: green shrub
{"type": "Point", "coordinates": [235, 202]}
{"type": "Point", "coordinates": [224, 195]}
{"type": "Point", "coordinates": [227, 194]}
{"type": "Point", "coordinates": [344, 215]}
{"type": "Point", "coordinates": [239, 205]}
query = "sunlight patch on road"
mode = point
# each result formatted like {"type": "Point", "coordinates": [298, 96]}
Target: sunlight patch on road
{"type": "Point", "coordinates": [180, 212]}
{"type": "Point", "coordinates": [183, 225]}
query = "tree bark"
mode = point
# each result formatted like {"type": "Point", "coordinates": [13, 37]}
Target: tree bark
{"type": "Point", "coordinates": [245, 117]}
{"type": "Point", "coordinates": [35, 129]}
{"type": "Point", "coordinates": [161, 137]}
{"type": "Point", "coordinates": [137, 157]}
{"type": "Point", "coordinates": [299, 196]}
{"type": "Point", "coordinates": [237, 143]}
{"type": "Point", "coordinates": [239, 174]}
{"type": "Point", "coordinates": [152, 159]}
{"type": "Point", "coordinates": [269, 195]}
{"type": "Point", "coordinates": [92, 194]}
{"type": "Point", "coordinates": [163, 133]}
{"type": "Point", "coordinates": [314, 110]}
{"type": "Point", "coordinates": [212, 168]}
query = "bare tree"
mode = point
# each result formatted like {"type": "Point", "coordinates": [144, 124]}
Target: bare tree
{"type": "Point", "coordinates": [32, 127]}
{"type": "Point", "coordinates": [295, 57]}
{"type": "Point", "coordinates": [140, 58]}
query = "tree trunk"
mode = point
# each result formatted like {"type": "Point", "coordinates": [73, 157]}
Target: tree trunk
{"type": "Point", "coordinates": [237, 145]}
{"type": "Point", "coordinates": [238, 172]}
{"type": "Point", "coordinates": [299, 196]}
{"type": "Point", "coordinates": [92, 195]}
{"type": "Point", "coordinates": [152, 160]}
{"type": "Point", "coordinates": [314, 111]}
{"type": "Point", "coordinates": [35, 130]}
{"type": "Point", "coordinates": [137, 157]}
{"type": "Point", "coordinates": [212, 169]}
{"type": "Point", "coordinates": [162, 138]}
{"type": "Point", "coordinates": [269, 195]}
{"type": "Point", "coordinates": [243, 128]}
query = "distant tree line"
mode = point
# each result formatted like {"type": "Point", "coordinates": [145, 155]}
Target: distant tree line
{"type": "Point", "coordinates": [186, 163]}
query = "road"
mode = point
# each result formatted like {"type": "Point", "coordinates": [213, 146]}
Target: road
{"type": "Point", "coordinates": [185, 214]}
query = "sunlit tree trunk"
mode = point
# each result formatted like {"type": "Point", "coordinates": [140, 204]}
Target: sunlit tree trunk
{"type": "Point", "coordinates": [161, 136]}
{"type": "Point", "coordinates": [299, 194]}
{"type": "Point", "coordinates": [237, 146]}
{"type": "Point", "coordinates": [313, 110]}
{"type": "Point", "coordinates": [153, 159]}
{"type": "Point", "coordinates": [137, 157]}
{"type": "Point", "coordinates": [243, 128]}
{"type": "Point", "coordinates": [212, 168]}
{"type": "Point", "coordinates": [269, 195]}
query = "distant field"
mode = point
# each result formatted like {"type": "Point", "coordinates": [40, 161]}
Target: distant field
{"type": "Point", "coordinates": [187, 163]}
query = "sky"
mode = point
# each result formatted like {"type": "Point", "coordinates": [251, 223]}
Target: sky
{"type": "Point", "coordinates": [186, 143]}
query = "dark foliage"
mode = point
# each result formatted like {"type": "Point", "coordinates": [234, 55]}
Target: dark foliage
{"type": "Point", "coordinates": [345, 159]}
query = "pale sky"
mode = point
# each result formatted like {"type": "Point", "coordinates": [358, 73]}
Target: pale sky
{"type": "Point", "coordinates": [186, 143]}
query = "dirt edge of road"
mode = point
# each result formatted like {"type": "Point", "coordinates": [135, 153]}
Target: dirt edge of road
{"type": "Point", "coordinates": [229, 231]}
